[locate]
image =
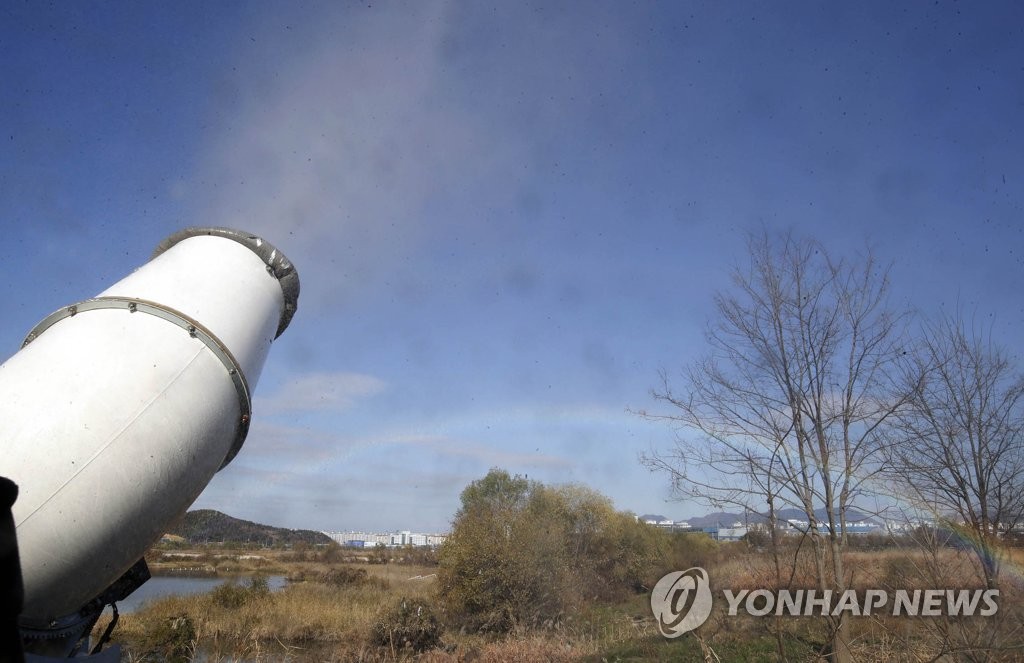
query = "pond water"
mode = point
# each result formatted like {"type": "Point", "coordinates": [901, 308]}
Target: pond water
{"type": "Point", "coordinates": [160, 586]}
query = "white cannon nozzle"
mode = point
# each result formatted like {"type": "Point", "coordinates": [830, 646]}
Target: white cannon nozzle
{"type": "Point", "coordinates": [118, 410]}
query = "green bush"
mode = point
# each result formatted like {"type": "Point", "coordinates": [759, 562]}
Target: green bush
{"type": "Point", "coordinates": [409, 626]}
{"type": "Point", "coordinates": [522, 554]}
{"type": "Point", "coordinates": [234, 595]}
{"type": "Point", "coordinates": [343, 576]}
{"type": "Point", "coordinates": [695, 549]}
{"type": "Point", "coordinates": [380, 554]}
{"type": "Point", "coordinates": [173, 640]}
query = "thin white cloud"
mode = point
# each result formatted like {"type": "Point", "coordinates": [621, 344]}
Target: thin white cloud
{"type": "Point", "coordinates": [324, 392]}
{"type": "Point", "coordinates": [490, 457]}
{"type": "Point", "coordinates": [271, 442]}
{"type": "Point", "coordinates": [307, 450]}
{"type": "Point", "coordinates": [326, 480]}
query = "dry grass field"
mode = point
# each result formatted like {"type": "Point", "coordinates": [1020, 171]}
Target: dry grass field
{"type": "Point", "coordinates": [348, 610]}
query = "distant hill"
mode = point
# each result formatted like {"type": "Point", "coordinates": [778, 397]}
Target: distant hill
{"type": "Point", "coordinates": [209, 526]}
{"type": "Point", "coordinates": [718, 519]}
{"type": "Point", "coordinates": [726, 519]}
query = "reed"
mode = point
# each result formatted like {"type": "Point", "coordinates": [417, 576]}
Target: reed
{"type": "Point", "coordinates": [338, 612]}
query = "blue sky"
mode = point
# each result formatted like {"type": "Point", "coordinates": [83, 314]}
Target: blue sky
{"type": "Point", "coordinates": [506, 217]}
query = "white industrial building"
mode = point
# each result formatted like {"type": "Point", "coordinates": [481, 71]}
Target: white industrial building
{"type": "Point", "coordinates": [355, 539]}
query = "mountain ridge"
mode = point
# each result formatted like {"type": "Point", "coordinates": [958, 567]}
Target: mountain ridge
{"type": "Point", "coordinates": [727, 519]}
{"type": "Point", "coordinates": [212, 526]}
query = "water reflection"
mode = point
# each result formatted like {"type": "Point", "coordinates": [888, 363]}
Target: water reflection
{"type": "Point", "coordinates": [158, 587]}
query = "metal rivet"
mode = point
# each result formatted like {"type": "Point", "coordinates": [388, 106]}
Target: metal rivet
{"type": "Point", "coordinates": [192, 331]}
{"type": "Point", "coordinates": [132, 306]}
{"type": "Point", "coordinates": [72, 310]}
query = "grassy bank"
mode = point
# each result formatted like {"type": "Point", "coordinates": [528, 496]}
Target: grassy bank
{"type": "Point", "coordinates": [314, 621]}
{"type": "Point", "coordinates": [226, 560]}
{"type": "Point", "coordinates": [337, 604]}
{"type": "Point", "coordinates": [340, 610]}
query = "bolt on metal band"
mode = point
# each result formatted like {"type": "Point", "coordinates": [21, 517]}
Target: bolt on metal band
{"type": "Point", "coordinates": [194, 330]}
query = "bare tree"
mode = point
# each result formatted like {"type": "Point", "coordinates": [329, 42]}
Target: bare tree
{"type": "Point", "coordinates": [960, 449]}
{"type": "Point", "coordinates": [786, 408]}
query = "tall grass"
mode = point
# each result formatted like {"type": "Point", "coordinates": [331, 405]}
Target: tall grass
{"type": "Point", "coordinates": [336, 614]}
{"type": "Point", "coordinates": [246, 620]}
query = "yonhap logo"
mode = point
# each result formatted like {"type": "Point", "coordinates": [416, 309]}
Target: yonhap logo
{"type": "Point", "coordinates": [681, 601]}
